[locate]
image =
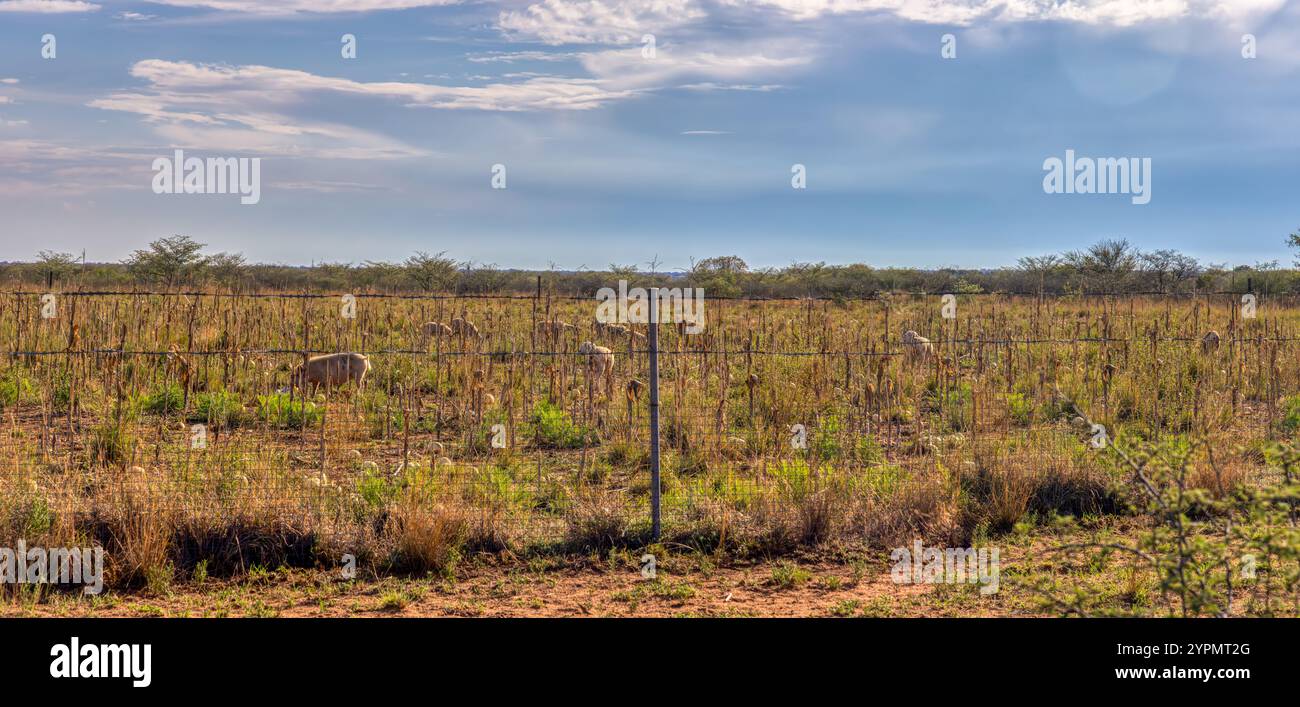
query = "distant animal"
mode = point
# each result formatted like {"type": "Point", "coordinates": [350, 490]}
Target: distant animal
{"type": "Point", "coordinates": [608, 328]}
{"type": "Point", "coordinates": [1210, 342]}
{"type": "Point", "coordinates": [465, 328]}
{"type": "Point", "coordinates": [429, 329]}
{"type": "Point", "coordinates": [331, 371]}
{"type": "Point", "coordinates": [600, 361]}
{"type": "Point", "coordinates": [917, 346]}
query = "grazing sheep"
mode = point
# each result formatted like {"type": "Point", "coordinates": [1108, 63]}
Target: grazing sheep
{"type": "Point", "coordinates": [600, 361]}
{"type": "Point", "coordinates": [608, 328]}
{"type": "Point", "coordinates": [330, 370]}
{"type": "Point", "coordinates": [918, 347]}
{"type": "Point", "coordinates": [1210, 342]}
{"type": "Point", "coordinates": [429, 329]}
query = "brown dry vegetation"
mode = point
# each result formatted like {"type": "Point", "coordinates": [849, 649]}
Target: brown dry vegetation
{"type": "Point", "coordinates": [989, 434]}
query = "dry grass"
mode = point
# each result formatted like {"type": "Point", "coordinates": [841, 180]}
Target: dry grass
{"type": "Point", "coordinates": [426, 539]}
{"type": "Point", "coordinates": [403, 473]}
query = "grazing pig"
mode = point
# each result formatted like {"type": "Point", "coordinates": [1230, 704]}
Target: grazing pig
{"type": "Point", "coordinates": [1210, 342]}
{"type": "Point", "coordinates": [331, 371]}
{"type": "Point", "coordinates": [918, 347]}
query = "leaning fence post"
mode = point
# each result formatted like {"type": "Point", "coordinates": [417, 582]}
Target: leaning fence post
{"type": "Point", "coordinates": [652, 340]}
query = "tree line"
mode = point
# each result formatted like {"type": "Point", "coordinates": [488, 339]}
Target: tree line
{"type": "Point", "coordinates": [1111, 266]}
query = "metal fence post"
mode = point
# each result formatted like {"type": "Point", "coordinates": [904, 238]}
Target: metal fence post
{"type": "Point", "coordinates": [652, 339]}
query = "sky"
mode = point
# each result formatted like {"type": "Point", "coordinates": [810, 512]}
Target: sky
{"type": "Point", "coordinates": [922, 128]}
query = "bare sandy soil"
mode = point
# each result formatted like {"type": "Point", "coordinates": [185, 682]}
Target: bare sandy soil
{"type": "Point", "coordinates": [684, 586]}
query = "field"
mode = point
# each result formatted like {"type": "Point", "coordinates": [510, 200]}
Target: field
{"type": "Point", "coordinates": [1120, 465]}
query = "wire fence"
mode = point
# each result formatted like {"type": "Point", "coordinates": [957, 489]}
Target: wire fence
{"type": "Point", "coordinates": [775, 419]}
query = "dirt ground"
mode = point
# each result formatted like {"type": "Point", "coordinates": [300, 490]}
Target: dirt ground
{"type": "Point", "coordinates": [685, 585]}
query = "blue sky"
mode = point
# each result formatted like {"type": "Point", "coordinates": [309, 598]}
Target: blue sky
{"type": "Point", "coordinates": [612, 157]}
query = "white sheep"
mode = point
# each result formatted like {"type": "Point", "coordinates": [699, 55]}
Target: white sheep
{"type": "Point", "coordinates": [917, 346]}
{"type": "Point", "coordinates": [600, 362]}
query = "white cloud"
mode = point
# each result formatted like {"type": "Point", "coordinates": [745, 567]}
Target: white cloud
{"type": "Point", "coordinates": [1120, 13]}
{"type": "Point", "coordinates": [261, 109]}
{"type": "Point", "coordinates": [290, 7]}
{"type": "Point", "coordinates": [597, 21]}
{"type": "Point", "coordinates": [47, 6]}
{"type": "Point", "coordinates": [713, 86]}
{"type": "Point", "coordinates": [331, 187]}
{"type": "Point", "coordinates": [183, 82]}
{"type": "Point", "coordinates": [511, 57]}
{"type": "Point", "coordinates": [718, 64]}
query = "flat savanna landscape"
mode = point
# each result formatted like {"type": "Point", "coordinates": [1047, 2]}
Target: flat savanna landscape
{"type": "Point", "coordinates": [1121, 461]}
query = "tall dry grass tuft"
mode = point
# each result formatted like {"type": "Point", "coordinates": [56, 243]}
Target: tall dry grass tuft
{"type": "Point", "coordinates": [135, 524]}
{"type": "Point", "coordinates": [488, 530]}
{"type": "Point", "coordinates": [917, 509]}
{"type": "Point", "coordinates": [1220, 479]}
{"type": "Point", "coordinates": [1066, 488]}
{"type": "Point", "coordinates": [231, 546]}
{"type": "Point", "coordinates": [818, 515]}
{"type": "Point", "coordinates": [997, 494]}
{"type": "Point", "coordinates": [426, 538]}
{"type": "Point", "coordinates": [597, 520]}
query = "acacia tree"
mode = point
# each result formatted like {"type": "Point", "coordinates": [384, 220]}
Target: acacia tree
{"type": "Point", "coordinates": [168, 260]}
{"type": "Point", "coordinates": [720, 275]}
{"type": "Point", "coordinates": [1168, 264]}
{"type": "Point", "coordinates": [1040, 266]}
{"type": "Point", "coordinates": [432, 273]}
{"type": "Point", "coordinates": [56, 265]}
{"type": "Point", "coordinates": [1107, 263]}
{"type": "Point", "coordinates": [226, 268]}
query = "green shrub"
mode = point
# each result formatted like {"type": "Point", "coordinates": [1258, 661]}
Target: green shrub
{"type": "Point", "coordinates": [112, 443]}
{"type": "Point", "coordinates": [61, 392]}
{"type": "Point", "coordinates": [164, 401]}
{"type": "Point", "coordinates": [825, 443]}
{"type": "Point", "coordinates": [279, 410]}
{"type": "Point", "coordinates": [554, 429]}
{"type": "Point", "coordinates": [1021, 409]}
{"type": "Point", "coordinates": [376, 488]}
{"type": "Point", "coordinates": [13, 388]}
{"type": "Point", "coordinates": [869, 451]}
{"type": "Point", "coordinates": [218, 409]}
{"type": "Point", "coordinates": [1291, 413]}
